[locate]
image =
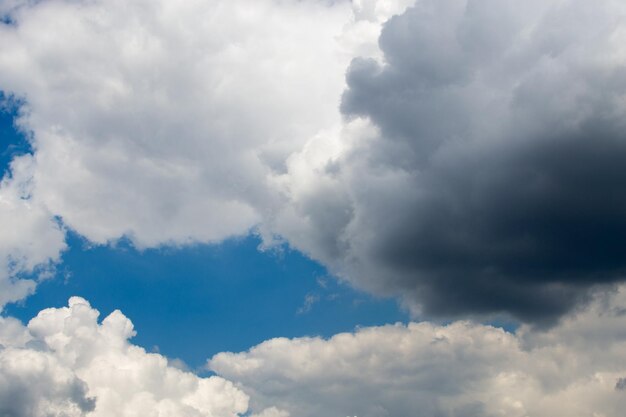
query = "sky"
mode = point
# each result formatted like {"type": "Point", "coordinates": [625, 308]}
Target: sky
{"type": "Point", "coordinates": [233, 294]}
{"type": "Point", "coordinates": [305, 208]}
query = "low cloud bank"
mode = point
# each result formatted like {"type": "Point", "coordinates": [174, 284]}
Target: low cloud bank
{"type": "Point", "coordinates": [65, 363]}
{"type": "Point", "coordinates": [576, 369]}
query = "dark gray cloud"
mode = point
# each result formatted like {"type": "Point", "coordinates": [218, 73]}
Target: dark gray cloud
{"type": "Point", "coordinates": [497, 181]}
{"type": "Point", "coordinates": [514, 149]}
{"type": "Point", "coordinates": [525, 228]}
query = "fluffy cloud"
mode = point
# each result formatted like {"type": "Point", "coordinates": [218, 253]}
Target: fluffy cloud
{"type": "Point", "coordinates": [161, 120]}
{"type": "Point", "coordinates": [31, 241]}
{"type": "Point", "coordinates": [66, 364]}
{"type": "Point", "coordinates": [460, 369]}
{"type": "Point", "coordinates": [165, 122]}
{"type": "Point", "coordinates": [480, 169]}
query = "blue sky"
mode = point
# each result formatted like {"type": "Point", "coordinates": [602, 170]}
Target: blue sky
{"type": "Point", "coordinates": [12, 142]}
{"type": "Point", "coordinates": [226, 297]}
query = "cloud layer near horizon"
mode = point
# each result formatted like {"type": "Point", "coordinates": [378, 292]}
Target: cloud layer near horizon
{"type": "Point", "coordinates": [462, 369]}
{"type": "Point", "coordinates": [65, 364]}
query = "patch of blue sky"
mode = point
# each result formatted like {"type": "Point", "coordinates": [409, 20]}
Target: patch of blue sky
{"type": "Point", "coordinates": [6, 19]}
{"type": "Point", "coordinates": [195, 301]}
{"type": "Point", "coordinates": [12, 141]}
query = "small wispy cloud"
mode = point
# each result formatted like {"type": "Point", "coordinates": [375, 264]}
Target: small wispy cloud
{"type": "Point", "coordinates": [309, 300]}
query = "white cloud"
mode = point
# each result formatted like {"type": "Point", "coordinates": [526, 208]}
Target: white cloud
{"type": "Point", "coordinates": [65, 364]}
{"type": "Point", "coordinates": [460, 369]}
{"type": "Point", "coordinates": [30, 240]}
{"type": "Point", "coordinates": [272, 412]}
{"type": "Point", "coordinates": [166, 121]}
{"type": "Point", "coordinates": [161, 119]}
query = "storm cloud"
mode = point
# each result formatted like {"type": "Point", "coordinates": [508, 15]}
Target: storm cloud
{"type": "Point", "coordinates": [490, 177]}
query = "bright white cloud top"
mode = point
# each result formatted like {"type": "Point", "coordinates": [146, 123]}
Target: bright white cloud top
{"type": "Point", "coordinates": [162, 120]}
{"type": "Point", "coordinates": [159, 121]}
{"type": "Point", "coordinates": [66, 364]}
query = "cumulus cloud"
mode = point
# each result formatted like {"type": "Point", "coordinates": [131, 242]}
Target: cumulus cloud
{"type": "Point", "coordinates": [165, 122]}
{"type": "Point", "coordinates": [161, 120]}
{"type": "Point", "coordinates": [31, 241]}
{"type": "Point", "coordinates": [35, 384]}
{"type": "Point", "coordinates": [480, 169]}
{"type": "Point", "coordinates": [66, 364]}
{"type": "Point", "coordinates": [459, 369]}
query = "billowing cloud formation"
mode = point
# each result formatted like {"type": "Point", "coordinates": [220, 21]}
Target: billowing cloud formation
{"type": "Point", "coordinates": [66, 364]}
{"type": "Point", "coordinates": [481, 168]}
{"type": "Point", "coordinates": [163, 121]}
{"type": "Point", "coordinates": [461, 369]}
{"type": "Point", "coordinates": [160, 120]}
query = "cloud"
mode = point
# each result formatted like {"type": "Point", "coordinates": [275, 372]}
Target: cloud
{"type": "Point", "coordinates": [480, 168]}
{"type": "Point", "coordinates": [459, 369]}
{"type": "Point", "coordinates": [309, 301]}
{"type": "Point", "coordinates": [31, 241]}
{"type": "Point", "coordinates": [65, 364]}
{"type": "Point", "coordinates": [161, 120]}
{"type": "Point", "coordinates": [272, 412]}
{"type": "Point", "coordinates": [166, 122]}
{"type": "Point", "coordinates": [35, 384]}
